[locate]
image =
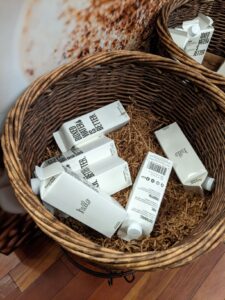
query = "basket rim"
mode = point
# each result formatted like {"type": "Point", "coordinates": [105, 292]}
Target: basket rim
{"type": "Point", "coordinates": [69, 239]}
{"type": "Point", "coordinates": [173, 49]}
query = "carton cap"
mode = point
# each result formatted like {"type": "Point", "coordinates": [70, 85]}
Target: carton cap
{"type": "Point", "coordinates": [209, 184]}
{"type": "Point", "coordinates": [194, 30]}
{"type": "Point", "coordinates": [134, 231]}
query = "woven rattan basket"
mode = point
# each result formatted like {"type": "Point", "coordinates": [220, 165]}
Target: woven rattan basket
{"type": "Point", "coordinates": [173, 14]}
{"type": "Point", "coordinates": [162, 86]}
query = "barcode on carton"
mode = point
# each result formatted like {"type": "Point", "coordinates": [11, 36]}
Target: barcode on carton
{"type": "Point", "coordinates": [157, 168]}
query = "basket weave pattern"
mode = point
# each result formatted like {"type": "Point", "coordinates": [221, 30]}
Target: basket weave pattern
{"type": "Point", "coordinates": [174, 13]}
{"type": "Point", "coordinates": [159, 85]}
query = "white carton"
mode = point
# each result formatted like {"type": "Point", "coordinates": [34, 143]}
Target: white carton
{"type": "Point", "coordinates": [90, 125]}
{"type": "Point", "coordinates": [201, 45]}
{"type": "Point", "coordinates": [98, 149]}
{"type": "Point", "coordinates": [36, 186]}
{"type": "Point", "coordinates": [187, 165]}
{"type": "Point", "coordinates": [180, 37]}
{"type": "Point", "coordinates": [110, 175]}
{"type": "Point", "coordinates": [194, 36]}
{"type": "Point", "coordinates": [146, 197]}
{"type": "Point", "coordinates": [222, 69]}
{"type": "Point", "coordinates": [79, 199]}
{"type": "Point", "coordinates": [191, 24]}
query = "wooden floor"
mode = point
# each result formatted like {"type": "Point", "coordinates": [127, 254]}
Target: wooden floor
{"type": "Point", "coordinates": [41, 271]}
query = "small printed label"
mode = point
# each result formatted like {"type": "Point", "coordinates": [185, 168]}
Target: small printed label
{"type": "Point", "coordinates": [147, 219]}
{"type": "Point", "coordinates": [83, 162]}
{"type": "Point", "coordinates": [95, 183]}
{"type": "Point", "coordinates": [68, 155]}
{"type": "Point", "coordinates": [62, 159]}
{"type": "Point", "coordinates": [50, 182]}
{"type": "Point", "coordinates": [96, 123]}
{"type": "Point", "coordinates": [157, 168]}
{"type": "Point", "coordinates": [199, 52]}
{"type": "Point", "coordinates": [76, 151]}
{"type": "Point", "coordinates": [87, 173]}
{"type": "Point", "coordinates": [202, 44]}
{"type": "Point", "coordinates": [83, 206]}
{"type": "Point", "coordinates": [73, 152]}
{"type": "Point", "coordinates": [181, 152]}
{"type": "Point", "coordinates": [79, 131]}
{"type": "Point", "coordinates": [153, 196]}
{"type": "Point", "coordinates": [204, 39]}
{"type": "Point", "coordinates": [75, 133]}
{"type": "Point", "coordinates": [93, 187]}
{"type": "Point", "coordinates": [50, 161]}
{"type": "Point", "coordinates": [85, 170]}
{"type": "Point", "coordinates": [196, 180]}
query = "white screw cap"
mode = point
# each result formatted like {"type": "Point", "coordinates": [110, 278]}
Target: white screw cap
{"type": "Point", "coordinates": [194, 30]}
{"type": "Point", "coordinates": [209, 184]}
{"type": "Point", "coordinates": [134, 231]}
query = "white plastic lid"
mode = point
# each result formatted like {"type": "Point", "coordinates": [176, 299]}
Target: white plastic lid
{"type": "Point", "coordinates": [208, 184]}
{"type": "Point", "coordinates": [134, 231]}
{"type": "Point", "coordinates": [194, 29]}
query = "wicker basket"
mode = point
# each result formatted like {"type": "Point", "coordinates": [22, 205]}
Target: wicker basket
{"type": "Point", "coordinates": [174, 13]}
{"type": "Point", "coordinates": [162, 85]}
